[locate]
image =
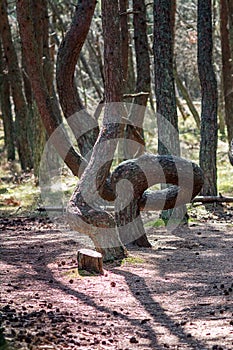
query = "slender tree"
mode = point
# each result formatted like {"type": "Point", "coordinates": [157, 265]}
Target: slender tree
{"type": "Point", "coordinates": [209, 127]}
{"type": "Point", "coordinates": [16, 81]}
{"type": "Point", "coordinates": [46, 104]}
{"type": "Point", "coordinates": [168, 133]}
{"type": "Point", "coordinates": [8, 123]}
{"type": "Point", "coordinates": [226, 9]}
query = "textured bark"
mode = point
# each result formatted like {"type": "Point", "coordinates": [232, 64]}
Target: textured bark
{"type": "Point", "coordinates": [208, 82]}
{"type": "Point", "coordinates": [8, 124]}
{"type": "Point", "coordinates": [15, 77]}
{"type": "Point", "coordinates": [46, 105]}
{"type": "Point", "coordinates": [90, 260]}
{"type": "Point", "coordinates": [137, 113]}
{"type": "Point", "coordinates": [227, 68]}
{"type": "Point", "coordinates": [168, 134]}
{"type": "Point", "coordinates": [123, 4]}
{"type": "Point", "coordinates": [164, 79]}
{"type": "Point", "coordinates": [82, 212]}
{"type": "Point", "coordinates": [134, 177]}
{"type": "Point", "coordinates": [83, 125]}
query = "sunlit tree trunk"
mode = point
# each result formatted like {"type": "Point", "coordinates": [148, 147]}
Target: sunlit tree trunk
{"type": "Point", "coordinates": [209, 127]}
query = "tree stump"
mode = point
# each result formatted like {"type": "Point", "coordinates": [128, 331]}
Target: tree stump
{"type": "Point", "coordinates": [90, 260]}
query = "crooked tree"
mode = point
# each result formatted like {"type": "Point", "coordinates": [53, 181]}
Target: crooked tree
{"type": "Point", "coordinates": [126, 186]}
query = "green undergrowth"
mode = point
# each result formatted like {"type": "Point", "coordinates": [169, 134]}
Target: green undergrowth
{"type": "Point", "coordinates": [130, 260]}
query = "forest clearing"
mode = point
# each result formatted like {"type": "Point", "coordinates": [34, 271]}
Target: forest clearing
{"type": "Point", "coordinates": [116, 168]}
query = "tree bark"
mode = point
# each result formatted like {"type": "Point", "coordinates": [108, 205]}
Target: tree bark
{"type": "Point", "coordinates": [227, 67]}
{"type": "Point", "coordinates": [15, 77]}
{"type": "Point", "coordinates": [208, 82]}
{"type": "Point", "coordinates": [46, 104]}
{"type": "Point", "coordinates": [81, 123]}
{"type": "Point", "coordinates": [168, 133]}
{"type": "Point", "coordinates": [82, 212]}
{"type": "Point", "coordinates": [8, 123]}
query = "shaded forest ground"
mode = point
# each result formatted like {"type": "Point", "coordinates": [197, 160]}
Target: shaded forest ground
{"type": "Point", "coordinates": [177, 295]}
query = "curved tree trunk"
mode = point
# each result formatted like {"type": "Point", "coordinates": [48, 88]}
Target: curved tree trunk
{"type": "Point", "coordinates": [209, 126]}
{"type": "Point", "coordinates": [82, 212]}
{"type": "Point", "coordinates": [15, 77]}
{"type": "Point", "coordinates": [81, 123]}
{"type": "Point", "coordinates": [46, 104]}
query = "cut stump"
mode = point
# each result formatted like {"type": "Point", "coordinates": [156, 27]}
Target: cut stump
{"type": "Point", "coordinates": [90, 260]}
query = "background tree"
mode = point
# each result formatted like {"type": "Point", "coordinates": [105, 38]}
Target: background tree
{"type": "Point", "coordinates": [16, 82]}
{"type": "Point", "coordinates": [168, 133]}
{"type": "Point", "coordinates": [227, 68]}
{"type": "Point", "coordinates": [8, 123]}
{"type": "Point", "coordinates": [209, 124]}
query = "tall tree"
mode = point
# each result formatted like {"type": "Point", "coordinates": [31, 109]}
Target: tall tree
{"type": "Point", "coordinates": [209, 126]}
{"type": "Point", "coordinates": [46, 103]}
{"type": "Point", "coordinates": [15, 77]}
{"type": "Point", "coordinates": [226, 14]}
{"type": "Point", "coordinates": [8, 123]}
{"type": "Point", "coordinates": [168, 133]}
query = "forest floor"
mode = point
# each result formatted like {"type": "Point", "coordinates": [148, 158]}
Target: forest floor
{"type": "Point", "coordinates": [176, 295]}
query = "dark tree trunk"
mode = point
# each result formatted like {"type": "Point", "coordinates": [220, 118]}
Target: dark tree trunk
{"type": "Point", "coordinates": [168, 134]}
{"type": "Point", "coordinates": [46, 104]}
{"type": "Point", "coordinates": [227, 66]}
{"type": "Point", "coordinates": [208, 82]}
{"type": "Point", "coordinates": [21, 111]}
{"type": "Point", "coordinates": [8, 124]}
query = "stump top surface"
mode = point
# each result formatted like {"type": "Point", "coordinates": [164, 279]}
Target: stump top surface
{"type": "Point", "coordinates": [90, 252]}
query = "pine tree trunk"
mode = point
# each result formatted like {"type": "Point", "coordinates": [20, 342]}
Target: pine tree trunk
{"type": "Point", "coordinates": [168, 133]}
{"type": "Point", "coordinates": [209, 126]}
{"type": "Point", "coordinates": [21, 111]}
{"type": "Point", "coordinates": [8, 123]}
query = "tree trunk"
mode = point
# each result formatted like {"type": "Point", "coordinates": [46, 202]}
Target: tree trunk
{"type": "Point", "coordinates": [208, 82]}
{"type": "Point", "coordinates": [21, 111]}
{"type": "Point", "coordinates": [227, 66]}
{"type": "Point", "coordinates": [128, 219]}
{"type": "Point", "coordinates": [82, 212]}
{"type": "Point", "coordinates": [46, 104]}
{"type": "Point", "coordinates": [168, 134]}
{"type": "Point", "coordinates": [8, 123]}
{"type": "Point", "coordinates": [81, 123]}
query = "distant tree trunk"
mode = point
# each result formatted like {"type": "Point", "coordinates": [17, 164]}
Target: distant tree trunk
{"type": "Point", "coordinates": [21, 110]}
{"type": "Point", "coordinates": [168, 133]}
{"type": "Point", "coordinates": [46, 104]}
{"type": "Point", "coordinates": [227, 67]}
{"type": "Point", "coordinates": [134, 130]}
{"type": "Point", "coordinates": [8, 123]}
{"type": "Point", "coordinates": [209, 126]}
